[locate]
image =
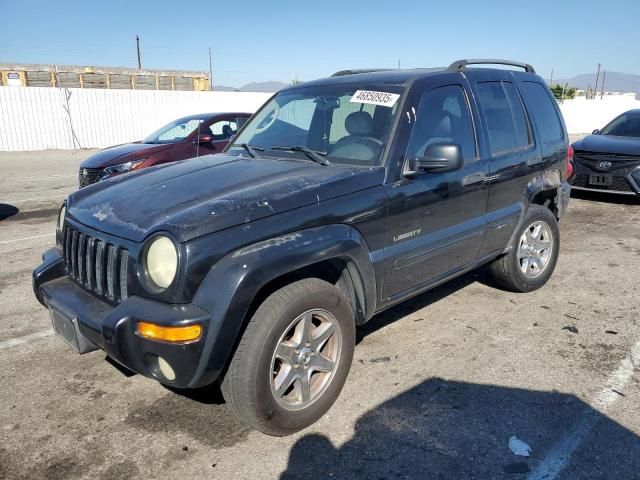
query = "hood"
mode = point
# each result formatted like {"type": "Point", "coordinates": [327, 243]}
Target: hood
{"type": "Point", "coordinates": [203, 195]}
{"type": "Point", "coordinates": [608, 144]}
{"type": "Point", "coordinates": [114, 155]}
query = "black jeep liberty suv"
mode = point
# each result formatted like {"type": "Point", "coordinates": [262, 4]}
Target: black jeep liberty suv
{"type": "Point", "coordinates": [338, 199]}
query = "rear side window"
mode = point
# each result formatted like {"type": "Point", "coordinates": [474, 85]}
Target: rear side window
{"type": "Point", "coordinates": [507, 123]}
{"type": "Point", "coordinates": [543, 110]}
{"type": "Point", "coordinates": [523, 132]}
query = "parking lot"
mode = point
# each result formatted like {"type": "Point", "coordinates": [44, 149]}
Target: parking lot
{"type": "Point", "coordinates": [438, 386]}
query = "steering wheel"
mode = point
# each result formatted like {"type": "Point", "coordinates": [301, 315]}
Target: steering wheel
{"type": "Point", "coordinates": [270, 119]}
{"type": "Point", "coordinates": [371, 139]}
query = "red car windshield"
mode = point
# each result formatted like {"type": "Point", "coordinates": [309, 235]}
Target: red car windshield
{"type": "Point", "coordinates": [175, 131]}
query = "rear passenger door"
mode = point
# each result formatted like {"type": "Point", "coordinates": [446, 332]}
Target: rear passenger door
{"type": "Point", "coordinates": [435, 220]}
{"type": "Point", "coordinates": [511, 150]}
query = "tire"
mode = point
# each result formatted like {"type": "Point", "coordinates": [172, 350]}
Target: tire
{"type": "Point", "coordinates": [251, 385]}
{"type": "Point", "coordinates": [507, 271]}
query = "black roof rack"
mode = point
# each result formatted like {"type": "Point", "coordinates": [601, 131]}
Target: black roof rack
{"type": "Point", "coordinates": [363, 70]}
{"type": "Point", "coordinates": [460, 65]}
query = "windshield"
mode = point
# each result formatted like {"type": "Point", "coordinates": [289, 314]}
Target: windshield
{"type": "Point", "coordinates": [175, 131]}
{"type": "Point", "coordinates": [626, 125]}
{"type": "Point", "coordinates": [342, 123]}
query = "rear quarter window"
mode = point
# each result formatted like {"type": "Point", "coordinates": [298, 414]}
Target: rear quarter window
{"type": "Point", "coordinates": [541, 107]}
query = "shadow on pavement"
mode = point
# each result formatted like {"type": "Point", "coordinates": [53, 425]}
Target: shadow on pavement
{"type": "Point", "coordinates": [7, 211]}
{"type": "Point", "coordinates": [423, 300]}
{"type": "Point", "coordinates": [446, 429]}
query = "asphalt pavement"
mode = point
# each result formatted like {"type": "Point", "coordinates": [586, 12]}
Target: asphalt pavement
{"type": "Point", "coordinates": [438, 387]}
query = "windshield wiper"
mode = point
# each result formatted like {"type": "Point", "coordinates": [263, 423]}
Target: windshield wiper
{"type": "Point", "coordinates": [314, 155]}
{"type": "Point", "coordinates": [251, 149]}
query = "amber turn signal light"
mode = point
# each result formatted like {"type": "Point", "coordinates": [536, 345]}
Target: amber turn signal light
{"type": "Point", "coordinates": [188, 333]}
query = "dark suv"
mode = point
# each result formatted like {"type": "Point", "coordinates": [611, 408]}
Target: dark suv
{"type": "Point", "coordinates": [340, 198]}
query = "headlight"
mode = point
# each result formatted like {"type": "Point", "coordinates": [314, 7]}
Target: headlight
{"type": "Point", "coordinates": [161, 261]}
{"type": "Point", "coordinates": [61, 215]}
{"type": "Point", "coordinates": [123, 167]}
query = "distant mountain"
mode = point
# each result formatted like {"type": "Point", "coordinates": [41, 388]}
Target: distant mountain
{"type": "Point", "coordinates": [220, 88]}
{"type": "Point", "coordinates": [268, 87]}
{"type": "Point", "coordinates": [613, 82]}
{"type": "Point", "coordinates": [263, 86]}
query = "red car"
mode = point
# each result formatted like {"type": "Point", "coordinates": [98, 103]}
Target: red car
{"type": "Point", "coordinates": [186, 137]}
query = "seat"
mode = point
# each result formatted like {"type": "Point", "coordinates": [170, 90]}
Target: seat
{"type": "Point", "coordinates": [435, 129]}
{"type": "Point", "coordinates": [360, 144]}
{"type": "Point", "coordinates": [501, 131]}
{"type": "Point", "coordinates": [227, 131]}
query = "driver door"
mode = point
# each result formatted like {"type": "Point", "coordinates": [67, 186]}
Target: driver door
{"type": "Point", "coordinates": [436, 221]}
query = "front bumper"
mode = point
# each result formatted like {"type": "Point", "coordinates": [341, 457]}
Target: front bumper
{"type": "Point", "coordinates": [113, 328]}
{"type": "Point", "coordinates": [624, 180]}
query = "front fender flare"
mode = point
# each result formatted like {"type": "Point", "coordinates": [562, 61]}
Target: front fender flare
{"type": "Point", "coordinates": [232, 284]}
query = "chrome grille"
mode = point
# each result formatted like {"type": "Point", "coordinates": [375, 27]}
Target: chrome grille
{"type": "Point", "coordinates": [98, 266]}
{"type": "Point", "coordinates": [621, 164]}
{"type": "Point", "coordinates": [88, 176]}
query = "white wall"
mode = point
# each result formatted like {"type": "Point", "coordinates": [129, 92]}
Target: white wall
{"type": "Point", "coordinates": [35, 118]}
{"type": "Point", "coordinates": [584, 116]}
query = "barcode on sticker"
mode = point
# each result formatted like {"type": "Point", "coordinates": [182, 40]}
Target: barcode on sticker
{"type": "Point", "coordinates": [384, 99]}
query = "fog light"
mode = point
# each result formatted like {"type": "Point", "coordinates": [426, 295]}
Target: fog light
{"type": "Point", "coordinates": [185, 334]}
{"type": "Point", "coordinates": [166, 370]}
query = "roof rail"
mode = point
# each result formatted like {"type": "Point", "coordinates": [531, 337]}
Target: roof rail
{"type": "Point", "coordinates": [460, 65]}
{"type": "Point", "coordinates": [342, 73]}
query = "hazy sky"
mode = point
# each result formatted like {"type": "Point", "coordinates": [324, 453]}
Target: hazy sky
{"type": "Point", "coordinates": [271, 39]}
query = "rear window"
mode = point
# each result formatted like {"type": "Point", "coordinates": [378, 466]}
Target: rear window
{"type": "Point", "coordinates": [507, 123]}
{"type": "Point", "coordinates": [543, 110]}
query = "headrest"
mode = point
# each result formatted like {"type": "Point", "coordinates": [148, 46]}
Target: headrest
{"type": "Point", "coordinates": [359, 123]}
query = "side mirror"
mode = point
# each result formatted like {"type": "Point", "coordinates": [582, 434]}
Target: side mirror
{"type": "Point", "coordinates": [439, 157]}
{"type": "Point", "coordinates": [205, 138]}
{"type": "Point", "coordinates": [596, 132]}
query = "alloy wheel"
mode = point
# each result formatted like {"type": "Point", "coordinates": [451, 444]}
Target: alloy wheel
{"type": "Point", "coordinates": [305, 359]}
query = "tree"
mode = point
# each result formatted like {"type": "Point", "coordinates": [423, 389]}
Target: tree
{"type": "Point", "coordinates": [563, 92]}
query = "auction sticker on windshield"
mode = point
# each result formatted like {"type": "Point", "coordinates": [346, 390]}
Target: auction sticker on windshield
{"type": "Point", "coordinates": [384, 99]}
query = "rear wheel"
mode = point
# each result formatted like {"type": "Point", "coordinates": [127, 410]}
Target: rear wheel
{"type": "Point", "coordinates": [533, 255]}
{"type": "Point", "coordinates": [293, 358]}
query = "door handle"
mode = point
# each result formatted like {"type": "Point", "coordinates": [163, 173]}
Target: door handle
{"type": "Point", "coordinates": [473, 178]}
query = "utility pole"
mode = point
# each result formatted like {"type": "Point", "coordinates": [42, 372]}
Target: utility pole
{"type": "Point", "coordinates": [551, 79]}
{"type": "Point", "coordinates": [595, 88]}
{"type": "Point", "coordinates": [398, 64]}
{"type": "Point", "coordinates": [604, 74]}
{"type": "Point", "coordinates": [210, 71]}
{"type": "Point", "coordinates": [138, 48]}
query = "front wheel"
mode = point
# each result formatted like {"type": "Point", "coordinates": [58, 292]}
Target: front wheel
{"type": "Point", "coordinates": [293, 358]}
{"type": "Point", "coordinates": [533, 254]}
